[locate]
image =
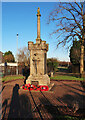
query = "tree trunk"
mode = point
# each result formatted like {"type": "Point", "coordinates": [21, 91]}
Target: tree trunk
{"type": "Point", "coordinates": [82, 44]}
{"type": "Point", "coordinates": [82, 60]}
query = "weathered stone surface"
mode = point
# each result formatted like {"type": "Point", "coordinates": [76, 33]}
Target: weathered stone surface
{"type": "Point", "coordinates": [42, 79]}
{"type": "Point", "coordinates": [38, 58]}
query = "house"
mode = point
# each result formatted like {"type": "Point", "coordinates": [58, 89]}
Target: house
{"type": "Point", "coordinates": [9, 68]}
{"type": "Point", "coordinates": [1, 57]}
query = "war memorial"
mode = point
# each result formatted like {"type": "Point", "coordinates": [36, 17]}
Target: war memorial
{"type": "Point", "coordinates": [65, 101]}
{"type": "Point", "coordinates": [38, 57]}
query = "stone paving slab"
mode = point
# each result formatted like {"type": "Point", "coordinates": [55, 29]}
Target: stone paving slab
{"type": "Point", "coordinates": [18, 103]}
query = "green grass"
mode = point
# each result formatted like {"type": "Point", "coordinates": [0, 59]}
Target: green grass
{"type": "Point", "coordinates": [58, 77]}
{"type": "Point", "coordinates": [13, 77]}
{"type": "Point", "coordinates": [64, 77]}
{"type": "Point", "coordinates": [67, 117]}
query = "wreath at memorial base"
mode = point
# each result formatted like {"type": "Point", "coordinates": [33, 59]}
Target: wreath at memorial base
{"type": "Point", "coordinates": [30, 87]}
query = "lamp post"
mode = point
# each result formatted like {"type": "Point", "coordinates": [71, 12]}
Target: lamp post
{"type": "Point", "coordinates": [17, 54]}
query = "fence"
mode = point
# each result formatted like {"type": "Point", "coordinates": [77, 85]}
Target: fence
{"type": "Point", "coordinates": [11, 70]}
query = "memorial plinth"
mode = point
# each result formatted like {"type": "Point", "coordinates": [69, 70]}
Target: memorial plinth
{"type": "Point", "coordinates": [38, 59]}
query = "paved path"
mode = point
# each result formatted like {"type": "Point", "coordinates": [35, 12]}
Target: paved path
{"type": "Point", "coordinates": [19, 103]}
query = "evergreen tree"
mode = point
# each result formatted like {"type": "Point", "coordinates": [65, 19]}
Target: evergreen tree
{"type": "Point", "coordinates": [75, 52]}
{"type": "Point", "coordinates": [8, 57]}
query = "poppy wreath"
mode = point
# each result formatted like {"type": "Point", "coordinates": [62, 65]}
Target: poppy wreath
{"type": "Point", "coordinates": [36, 88]}
{"type": "Point", "coordinates": [44, 88]}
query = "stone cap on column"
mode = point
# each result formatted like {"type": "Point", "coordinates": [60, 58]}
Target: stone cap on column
{"type": "Point", "coordinates": [30, 45]}
{"type": "Point", "coordinates": [40, 45]}
{"type": "Point", "coordinates": [44, 45]}
{"type": "Point", "coordinates": [38, 41]}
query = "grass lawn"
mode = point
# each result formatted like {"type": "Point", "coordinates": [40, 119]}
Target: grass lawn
{"type": "Point", "coordinates": [64, 77]}
{"type": "Point", "coordinates": [12, 77]}
{"type": "Point", "coordinates": [58, 77]}
{"type": "Point", "coordinates": [66, 117]}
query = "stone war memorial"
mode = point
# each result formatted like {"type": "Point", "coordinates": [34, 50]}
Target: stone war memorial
{"type": "Point", "coordinates": [38, 59]}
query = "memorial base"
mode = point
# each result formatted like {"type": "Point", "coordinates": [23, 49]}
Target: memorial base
{"type": "Point", "coordinates": [38, 79]}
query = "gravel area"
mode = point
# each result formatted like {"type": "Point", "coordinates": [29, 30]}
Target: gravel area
{"type": "Point", "coordinates": [65, 98]}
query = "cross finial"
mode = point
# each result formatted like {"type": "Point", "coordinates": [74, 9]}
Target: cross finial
{"type": "Point", "coordinates": [38, 10]}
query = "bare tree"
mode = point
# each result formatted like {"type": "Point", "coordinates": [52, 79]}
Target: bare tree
{"type": "Point", "coordinates": [69, 20]}
{"type": "Point", "coordinates": [23, 55]}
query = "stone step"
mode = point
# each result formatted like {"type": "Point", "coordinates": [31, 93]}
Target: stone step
{"type": "Point", "coordinates": [51, 86]}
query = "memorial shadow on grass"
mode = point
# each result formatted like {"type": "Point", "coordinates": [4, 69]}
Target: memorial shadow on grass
{"type": "Point", "coordinates": [77, 99]}
{"type": "Point", "coordinates": [74, 103]}
{"type": "Point", "coordinates": [2, 89]}
{"type": "Point", "coordinates": [70, 86]}
{"type": "Point", "coordinates": [36, 106]}
{"type": "Point", "coordinates": [51, 109]}
{"type": "Point", "coordinates": [20, 106]}
{"type": "Point", "coordinates": [4, 106]}
{"type": "Point", "coordinates": [57, 111]}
